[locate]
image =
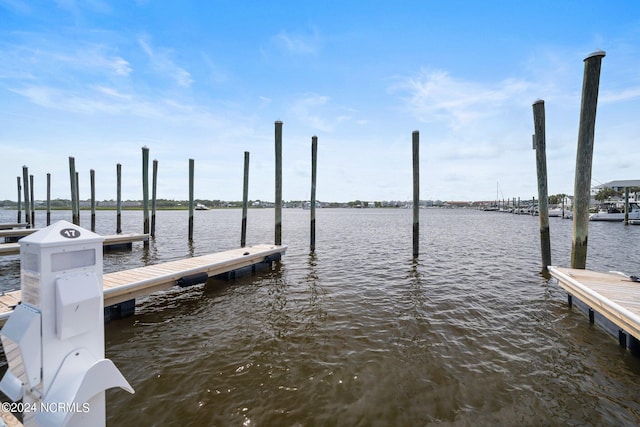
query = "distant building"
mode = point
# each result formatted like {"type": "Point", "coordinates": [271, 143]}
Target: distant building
{"type": "Point", "coordinates": [618, 185]}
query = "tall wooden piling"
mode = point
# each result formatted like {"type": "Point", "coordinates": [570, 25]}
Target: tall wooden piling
{"type": "Point", "coordinates": [154, 187]}
{"type": "Point", "coordinates": [314, 174]}
{"type": "Point", "coordinates": [145, 190]}
{"type": "Point", "coordinates": [32, 202]}
{"type": "Point", "coordinates": [72, 180]}
{"type": "Point", "coordinates": [25, 181]}
{"type": "Point", "coordinates": [626, 205]}
{"type": "Point", "coordinates": [78, 195]}
{"type": "Point", "coordinates": [19, 202]}
{"type": "Point", "coordinates": [278, 201]}
{"type": "Point", "coordinates": [416, 192]}
{"type": "Point", "coordinates": [541, 169]}
{"type": "Point", "coordinates": [118, 198]}
{"type": "Point", "coordinates": [245, 200]}
{"type": "Point", "coordinates": [92, 178]}
{"type": "Point", "coordinates": [48, 199]}
{"type": "Point", "coordinates": [584, 158]}
{"type": "Point", "coordinates": [191, 174]}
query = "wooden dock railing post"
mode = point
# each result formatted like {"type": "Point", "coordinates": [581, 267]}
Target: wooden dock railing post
{"type": "Point", "coordinates": [145, 189]}
{"type": "Point", "coordinates": [25, 181]}
{"type": "Point", "coordinates": [154, 185]}
{"type": "Point", "coordinates": [314, 174]}
{"type": "Point", "coordinates": [584, 158]}
{"type": "Point", "coordinates": [48, 199]}
{"type": "Point", "coordinates": [278, 201]}
{"type": "Point", "coordinates": [416, 193]}
{"type": "Point", "coordinates": [541, 169]}
{"type": "Point", "coordinates": [191, 173]}
{"type": "Point", "coordinates": [245, 201]}
{"type": "Point", "coordinates": [78, 195]}
{"type": "Point", "coordinates": [92, 177]}
{"type": "Point", "coordinates": [118, 198]}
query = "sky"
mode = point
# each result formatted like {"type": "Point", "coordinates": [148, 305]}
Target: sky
{"type": "Point", "coordinates": [206, 80]}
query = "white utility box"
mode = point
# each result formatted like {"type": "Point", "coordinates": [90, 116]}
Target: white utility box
{"type": "Point", "coordinates": [54, 340]}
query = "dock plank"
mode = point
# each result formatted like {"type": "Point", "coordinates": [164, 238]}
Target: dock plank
{"type": "Point", "coordinates": [124, 285]}
{"type": "Point", "coordinates": [613, 295]}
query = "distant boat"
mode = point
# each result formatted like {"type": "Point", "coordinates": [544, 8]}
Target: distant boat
{"type": "Point", "coordinates": [612, 212]}
{"type": "Point", "coordinates": [201, 207]}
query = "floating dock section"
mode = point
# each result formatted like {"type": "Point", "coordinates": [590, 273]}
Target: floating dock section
{"type": "Point", "coordinates": [612, 300]}
{"type": "Point", "coordinates": [121, 288]}
{"type": "Point", "coordinates": [112, 242]}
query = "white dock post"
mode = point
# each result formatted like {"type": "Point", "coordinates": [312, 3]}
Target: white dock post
{"type": "Point", "coordinates": [54, 340]}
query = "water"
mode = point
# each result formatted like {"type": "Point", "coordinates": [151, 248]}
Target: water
{"type": "Point", "coordinates": [360, 334]}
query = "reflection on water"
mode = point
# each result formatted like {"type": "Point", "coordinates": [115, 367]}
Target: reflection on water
{"type": "Point", "coordinates": [359, 333]}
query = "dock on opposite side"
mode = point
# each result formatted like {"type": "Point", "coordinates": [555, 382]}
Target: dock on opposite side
{"type": "Point", "coordinates": [122, 287]}
{"type": "Point", "coordinates": [611, 299]}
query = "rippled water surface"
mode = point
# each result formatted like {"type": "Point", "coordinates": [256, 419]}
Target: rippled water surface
{"type": "Point", "coordinates": [360, 334]}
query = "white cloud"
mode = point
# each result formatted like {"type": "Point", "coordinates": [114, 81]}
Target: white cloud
{"type": "Point", "coordinates": [433, 96]}
{"type": "Point", "coordinates": [316, 112]}
{"type": "Point", "coordinates": [161, 61]}
{"type": "Point", "coordinates": [297, 43]}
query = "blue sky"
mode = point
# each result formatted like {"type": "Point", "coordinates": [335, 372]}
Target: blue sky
{"type": "Point", "coordinates": [98, 80]}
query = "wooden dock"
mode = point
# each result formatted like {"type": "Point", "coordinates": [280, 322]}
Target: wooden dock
{"type": "Point", "coordinates": [614, 296]}
{"type": "Point", "coordinates": [111, 242]}
{"type": "Point", "coordinates": [124, 286]}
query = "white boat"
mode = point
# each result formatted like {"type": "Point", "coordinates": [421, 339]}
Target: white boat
{"type": "Point", "coordinates": [614, 213]}
{"type": "Point", "coordinates": [201, 207]}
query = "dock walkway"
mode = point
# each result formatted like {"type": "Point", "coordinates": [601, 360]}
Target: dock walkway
{"type": "Point", "coordinates": [126, 285]}
{"type": "Point", "coordinates": [613, 295]}
{"type": "Point", "coordinates": [110, 242]}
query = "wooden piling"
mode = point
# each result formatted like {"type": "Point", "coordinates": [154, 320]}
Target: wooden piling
{"type": "Point", "coordinates": [245, 200]}
{"type": "Point", "coordinates": [541, 169]}
{"type": "Point", "coordinates": [314, 174]}
{"type": "Point", "coordinates": [626, 205]}
{"type": "Point", "coordinates": [145, 189]}
{"type": "Point", "coordinates": [78, 195]}
{"type": "Point", "coordinates": [92, 177]}
{"type": "Point", "coordinates": [33, 203]}
{"type": "Point", "coordinates": [191, 174]}
{"type": "Point", "coordinates": [48, 199]}
{"type": "Point", "coordinates": [584, 158]}
{"type": "Point", "coordinates": [72, 180]}
{"type": "Point", "coordinates": [278, 201]}
{"type": "Point", "coordinates": [19, 202]}
{"type": "Point", "coordinates": [119, 198]}
{"type": "Point", "coordinates": [25, 181]}
{"type": "Point", "coordinates": [416, 193]}
{"type": "Point", "coordinates": [154, 187]}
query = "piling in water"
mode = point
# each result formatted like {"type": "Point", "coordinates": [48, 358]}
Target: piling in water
{"type": "Point", "coordinates": [191, 173]}
{"type": "Point", "coordinates": [314, 173]}
{"type": "Point", "coordinates": [416, 193]}
{"type": "Point", "coordinates": [154, 186]}
{"type": "Point", "coordinates": [541, 169]}
{"type": "Point", "coordinates": [145, 189]}
{"type": "Point", "coordinates": [584, 158]}
{"type": "Point", "coordinates": [278, 201]}
{"type": "Point", "coordinates": [118, 198]}
{"type": "Point", "coordinates": [72, 180]}
{"type": "Point", "coordinates": [626, 205]}
{"type": "Point", "coordinates": [245, 200]}
{"type": "Point", "coordinates": [25, 180]}
{"type": "Point", "coordinates": [19, 201]}
{"type": "Point", "coordinates": [92, 177]}
{"type": "Point", "coordinates": [33, 203]}
{"type": "Point", "coordinates": [78, 195]}
{"type": "Point", "coordinates": [48, 199]}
